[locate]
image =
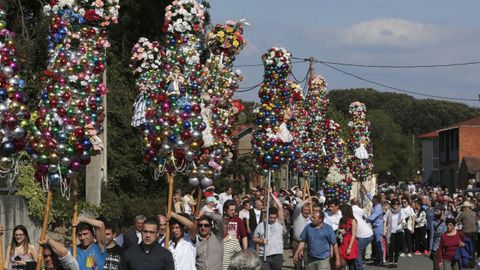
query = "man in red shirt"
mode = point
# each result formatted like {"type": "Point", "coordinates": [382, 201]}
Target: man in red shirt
{"type": "Point", "coordinates": [233, 224]}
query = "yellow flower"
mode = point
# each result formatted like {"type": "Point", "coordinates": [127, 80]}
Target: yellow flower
{"type": "Point", "coordinates": [221, 34]}
{"type": "Point", "coordinates": [235, 43]}
{"type": "Point", "coordinates": [229, 29]}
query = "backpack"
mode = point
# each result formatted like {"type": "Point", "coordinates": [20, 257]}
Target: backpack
{"type": "Point", "coordinates": [464, 254]}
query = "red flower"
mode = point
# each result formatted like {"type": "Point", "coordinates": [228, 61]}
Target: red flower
{"type": "Point", "coordinates": [165, 26]}
{"type": "Point", "coordinates": [91, 15]}
{"type": "Point", "coordinates": [53, 2]}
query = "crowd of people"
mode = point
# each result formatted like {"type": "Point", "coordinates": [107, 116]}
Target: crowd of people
{"type": "Point", "coordinates": [229, 231]}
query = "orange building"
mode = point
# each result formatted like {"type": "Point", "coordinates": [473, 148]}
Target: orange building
{"type": "Point", "coordinates": [443, 151]}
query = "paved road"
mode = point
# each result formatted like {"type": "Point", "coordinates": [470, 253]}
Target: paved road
{"type": "Point", "coordinates": [414, 263]}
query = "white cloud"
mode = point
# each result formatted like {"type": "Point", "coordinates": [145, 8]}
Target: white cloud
{"type": "Point", "coordinates": [390, 32]}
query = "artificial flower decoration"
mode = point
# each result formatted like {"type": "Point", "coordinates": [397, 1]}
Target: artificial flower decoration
{"type": "Point", "coordinates": [65, 129]}
{"type": "Point", "coordinates": [227, 40]}
{"type": "Point", "coordinates": [169, 77]}
{"type": "Point", "coordinates": [185, 107]}
{"type": "Point", "coordinates": [359, 145]}
{"type": "Point", "coordinates": [14, 114]}
{"type": "Point", "coordinates": [272, 138]}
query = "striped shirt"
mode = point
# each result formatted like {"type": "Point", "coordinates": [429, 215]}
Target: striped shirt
{"type": "Point", "coordinates": [230, 246]}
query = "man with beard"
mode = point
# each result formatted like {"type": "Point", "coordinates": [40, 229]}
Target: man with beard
{"type": "Point", "coordinates": [114, 251]}
{"type": "Point", "coordinates": [209, 241]}
{"type": "Point", "coordinates": [437, 228]}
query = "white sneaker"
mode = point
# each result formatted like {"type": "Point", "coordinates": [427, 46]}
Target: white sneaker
{"type": "Point", "coordinates": [402, 254]}
{"type": "Point", "coordinates": [409, 255]}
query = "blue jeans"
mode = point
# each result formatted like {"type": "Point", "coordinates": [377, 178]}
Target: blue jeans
{"type": "Point", "coordinates": [362, 246]}
{"type": "Point", "coordinates": [377, 238]}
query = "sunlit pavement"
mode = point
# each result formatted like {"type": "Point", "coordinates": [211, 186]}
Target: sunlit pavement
{"type": "Point", "coordinates": [405, 263]}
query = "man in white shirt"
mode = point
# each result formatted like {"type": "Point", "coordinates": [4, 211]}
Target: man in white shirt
{"type": "Point", "coordinates": [364, 232]}
{"type": "Point", "coordinates": [272, 243]}
{"type": "Point", "coordinates": [333, 215]}
{"type": "Point", "coordinates": [408, 215]}
{"type": "Point", "coordinates": [223, 197]}
{"type": "Point", "coordinates": [298, 226]}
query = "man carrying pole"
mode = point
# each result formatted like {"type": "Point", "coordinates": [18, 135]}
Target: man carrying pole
{"type": "Point", "coordinates": [271, 239]}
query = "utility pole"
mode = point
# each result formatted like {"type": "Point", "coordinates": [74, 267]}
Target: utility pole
{"type": "Point", "coordinates": [96, 171]}
{"type": "Point", "coordinates": [311, 68]}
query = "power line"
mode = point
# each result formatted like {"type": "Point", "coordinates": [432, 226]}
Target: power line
{"type": "Point", "coordinates": [261, 65]}
{"type": "Point", "coordinates": [393, 87]}
{"type": "Point", "coordinates": [391, 66]}
{"type": "Point", "coordinates": [246, 89]}
{"type": "Point", "coordinates": [297, 80]}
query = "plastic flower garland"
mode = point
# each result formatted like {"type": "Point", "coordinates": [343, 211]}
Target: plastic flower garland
{"type": "Point", "coordinates": [298, 124]}
{"type": "Point", "coordinates": [317, 104]}
{"type": "Point", "coordinates": [227, 40]}
{"type": "Point", "coordinates": [184, 16]}
{"type": "Point", "coordinates": [70, 114]}
{"type": "Point", "coordinates": [170, 79]}
{"type": "Point", "coordinates": [220, 110]}
{"type": "Point", "coordinates": [359, 145]}
{"type": "Point", "coordinates": [99, 12]}
{"type": "Point", "coordinates": [14, 114]}
{"type": "Point", "coordinates": [271, 138]}
{"type": "Point", "coordinates": [338, 181]}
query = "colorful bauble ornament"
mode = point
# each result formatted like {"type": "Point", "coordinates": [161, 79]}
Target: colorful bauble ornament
{"type": "Point", "coordinates": [271, 138]}
{"type": "Point", "coordinates": [169, 77]}
{"type": "Point", "coordinates": [219, 109]}
{"type": "Point", "coordinates": [65, 128]}
{"type": "Point", "coordinates": [359, 145]}
{"type": "Point", "coordinates": [14, 114]}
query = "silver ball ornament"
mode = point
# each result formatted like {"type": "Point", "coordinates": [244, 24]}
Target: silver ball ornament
{"type": "Point", "coordinates": [193, 181]}
{"type": "Point", "coordinates": [206, 182]}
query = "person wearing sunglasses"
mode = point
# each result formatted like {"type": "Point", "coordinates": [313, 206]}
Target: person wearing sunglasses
{"type": "Point", "coordinates": [209, 241]}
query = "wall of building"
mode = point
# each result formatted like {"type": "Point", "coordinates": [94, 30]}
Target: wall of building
{"type": "Point", "coordinates": [245, 145]}
{"type": "Point", "coordinates": [13, 212]}
{"type": "Point", "coordinates": [427, 159]}
{"type": "Point", "coordinates": [469, 142]}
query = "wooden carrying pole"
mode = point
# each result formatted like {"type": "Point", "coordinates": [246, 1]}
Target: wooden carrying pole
{"type": "Point", "coordinates": [265, 222]}
{"type": "Point", "coordinates": [1, 249]}
{"type": "Point", "coordinates": [75, 214]}
{"type": "Point", "coordinates": [198, 206]}
{"type": "Point", "coordinates": [169, 209]}
{"type": "Point", "coordinates": [46, 215]}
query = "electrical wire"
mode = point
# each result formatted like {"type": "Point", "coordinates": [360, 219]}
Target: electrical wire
{"type": "Point", "coordinates": [297, 80]}
{"type": "Point", "coordinates": [247, 89]}
{"type": "Point", "coordinates": [395, 88]}
{"type": "Point", "coordinates": [390, 66]}
{"type": "Point", "coordinates": [261, 65]}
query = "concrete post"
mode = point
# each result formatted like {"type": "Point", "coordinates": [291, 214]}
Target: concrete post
{"type": "Point", "coordinates": [96, 171]}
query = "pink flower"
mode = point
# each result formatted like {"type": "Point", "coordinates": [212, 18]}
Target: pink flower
{"type": "Point", "coordinates": [99, 3]}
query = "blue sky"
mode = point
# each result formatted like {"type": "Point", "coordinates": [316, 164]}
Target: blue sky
{"type": "Point", "coordinates": [365, 32]}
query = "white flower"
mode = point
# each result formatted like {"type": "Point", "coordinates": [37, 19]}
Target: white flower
{"type": "Point", "coordinates": [113, 12]}
{"type": "Point", "coordinates": [99, 11]}
{"type": "Point", "coordinates": [47, 9]}
{"type": "Point", "coordinates": [179, 26]}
